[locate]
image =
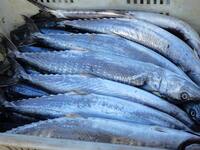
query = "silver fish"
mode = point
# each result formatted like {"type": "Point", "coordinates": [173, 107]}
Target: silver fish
{"type": "Point", "coordinates": [77, 14]}
{"type": "Point", "coordinates": [108, 44]}
{"type": "Point", "coordinates": [145, 75]}
{"type": "Point", "coordinates": [107, 131]}
{"type": "Point", "coordinates": [149, 35]}
{"type": "Point", "coordinates": [19, 91]}
{"type": "Point", "coordinates": [168, 22]}
{"type": "Point", "coordinates": [56, 84]}
{"type": "Point", "coordinates": [32, 49]}
{"type": "Point", "coordinates": [193, 109]}
{"type": "Point", "coordinates": [53, 31]}
{"type": "Point", "coordinates": [94, 105]}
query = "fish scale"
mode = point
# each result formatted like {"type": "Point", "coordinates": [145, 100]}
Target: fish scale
{"type": "Point", "coordinates": [56, 84]}
{"type": "Point", "coordinates": [107, 131]}
{"type": "Point", "coordinates": [145, 75]}
{"type": "Point", "coordinates": [95, 105]}
{"type": "Point", "coordinates": [22, 90]}
{"type": "Point", "coordinates": [107, 44]}
{"type": "Point", "coordinates": [149, 35]}
{"type": "Point", "coordinates": [122, 28]}
{"type": "Point", "coordinates": [169, 22]}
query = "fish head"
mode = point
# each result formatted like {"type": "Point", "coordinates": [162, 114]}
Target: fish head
{"type": "Point", "coordinates": [193, 110]}
{"type": "Point", "coordinates": [182, 90]}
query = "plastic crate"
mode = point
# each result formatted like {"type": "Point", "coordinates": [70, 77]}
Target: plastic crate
{"type": "Point", "coordinates": [10, 18]}
{"type": "Point", "coordinates": [187, 10]}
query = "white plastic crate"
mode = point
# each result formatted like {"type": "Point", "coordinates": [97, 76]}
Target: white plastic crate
{"type": "Point", "coordinates": [187, 10]}
{"type": "Point", "coordinates": [10, 18]}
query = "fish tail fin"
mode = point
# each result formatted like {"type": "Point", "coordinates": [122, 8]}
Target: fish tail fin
{"type": "Point", "coordinates": [25, 35]}
{"type": "Point", "coordinates": [3, 102]}
{"type": "Point", "coordinates": [19, 72]}
{"type": "Point", "coordinates": [9, 45]}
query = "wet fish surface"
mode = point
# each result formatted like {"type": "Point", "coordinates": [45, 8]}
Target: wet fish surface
{"type": "Point", "coordinates": [56, 84]}
{"type": "Point", "coordinates": [78, 14]}
{"type": "Point", "coordinates": [32, 49]}
{"type": "Point", "coordinates": [149, 35]}
{"type": "Point", "coordinates": [94, 105]}
{"type": "Point", "coordinates": [107, 131]}
{"type": "Point", "coordinates": [168, 22]}
{"type": "Point", "coordinates": [53, 31]}
{"type": "Point", "coordinates": [193, 109]}
{"type": "Point", "coordinates": [22, 91]}
{"type": "Point", "coordinates": [144, 75]}
{"type": "Point", "coordinates": [106, 44]}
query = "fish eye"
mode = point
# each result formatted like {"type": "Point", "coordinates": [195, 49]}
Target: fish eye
{"type": "Point", "coordinates": [185, 96]}
{"type": "Point", "coordinates": [192, 113]}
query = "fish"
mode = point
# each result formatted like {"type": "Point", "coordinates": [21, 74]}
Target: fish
{"type": "Point", "coordinates": [148, 35]}
{"type": "Point", "coordinates": [193, 110]}
{"type": "Point", "coordinates": [108, 131]}
{"type": "Point", "coordinates": [5, 66]}
{"type": "Point", "coordinates": [19, 118]}
{"type": "Point", "coordinates": [22, 91]}
{"type": "Point", "coordinates": [32, 49]}
{"type": "Point", "coordinates": [59, 13]}
{"type": "Point", "coordinates": [107, 44]}
{"type": "Point", "coordinates": [4, 63]}
{"type": "Point", "coordinates": [47, 31]}
{"type": "Point", "coordinates": [147, 76]}
{"type": "Point", "coordinates": [9, 121]}
{"type": "Point", "coordinates": [56, 106]}
{"type": "Point", "coordinates": [31, 70]}
{"type": "Point", "coordinates": [171, 23]}
{"type": "Point", "coordinates": [60, 84]}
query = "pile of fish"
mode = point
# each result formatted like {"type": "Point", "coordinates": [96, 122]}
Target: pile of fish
{"type": "Point", "coordinates": [102, 76]}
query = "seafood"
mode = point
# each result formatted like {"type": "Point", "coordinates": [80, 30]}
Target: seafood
{"type": "Point", "coordinates": [107, 44]}
{"type": "Point", "coordinates": [171, 23]}
{"type": "Point", "coordinates": [56, 84]}
{"type": "Point", "coordinates": [107, 131]}
{"type": "Point", "coordinates": [55, 106]}
{"type": "Point", "coordinates": [149, 35]}
{"type": "Point", "coordinates": [144, 75]}
{"type": "Point", "coordinates": [193, 109]}
{"type": "Point", "coordinates": [21, 91]}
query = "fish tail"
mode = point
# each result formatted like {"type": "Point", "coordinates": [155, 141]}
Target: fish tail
{"type": "Point", "coordinates": [9, 45]}
{"type": "Point", "coordinates": [3, 102]}
{"type": "Point", "coordinates": [20, 73]}
{"type": "Point", "coordinates": [30, 24]}
{"type": "Point", "coordinates": [25, 35]}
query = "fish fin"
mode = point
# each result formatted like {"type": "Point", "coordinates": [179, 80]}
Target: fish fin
{"type": "Point", "coordinates": [19, 72]}
{"type": "Point", "coordinates": [31, 24]}
{"type": "Point", "coordinates": [11, 48]}
{"type": "Point", "coordinates": [139, 80]}
{"type": "Point", "coordinates": [3, 102]}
